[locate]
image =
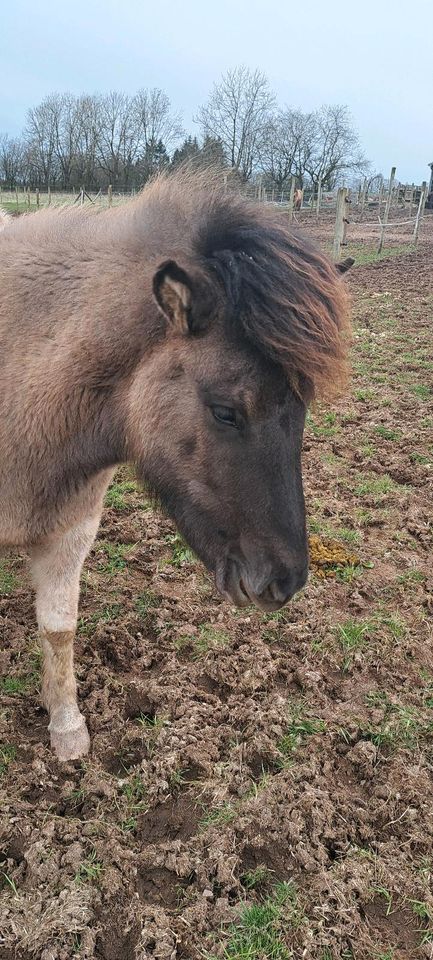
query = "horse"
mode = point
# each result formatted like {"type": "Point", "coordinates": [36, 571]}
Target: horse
{"type": "Point", "coordinates": [184, 332]}
{"type": "Point", "coordinates": [298, 197]}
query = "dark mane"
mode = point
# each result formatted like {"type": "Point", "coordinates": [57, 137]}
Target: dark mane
{"type": "Point", "coordinates": [284, 292]}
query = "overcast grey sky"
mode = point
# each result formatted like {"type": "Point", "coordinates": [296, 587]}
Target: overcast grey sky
{"type": "Point", "coordinates": [374, 56]}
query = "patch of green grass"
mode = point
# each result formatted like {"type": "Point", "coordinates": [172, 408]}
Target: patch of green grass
{"type": "Point", "coordinates": [387, 434]}
{"type": "Point", "coordinates": [11, 206]}
{"type": "Point", "coordinates": [387, 896]}
{"type": "Point", "coordinates": [7, 755]}
{"type": "Point", "coordinates": [261, 931]}
{"type": "Point", "coordinates": [327, 427]}
{"type": "Point", "coordinates": [324, 529]}
{"type": "Point", "coordinates": [134, 793]}
{"type": "Point", "coordinates": [208, 638]}
{"type": "Point", "coordinates": [151, 723]}
{"type": "Point", "coordinates": [145, 602]}
{"type": "Point", "coordinates": [89, 870]}
{"type": "Point", "coordinates": [13, 685]}
{"type": "Point", "coordinates": [134, 790]}
{"type": "Point", "coordinates": [116, 496]}
{"type": "Point", "coordinates": [11, 883]}
{"type": "Point", "coordinates": [363, 254]}
{"type": "Point", "coordinates": [87, 624]}
{"type": "Point", "coordinates": [420, 458]}
{"type": "Point", "coordinates": [254, 879]}
{"type": "Point", "coordinates": [218, 817]}
{"type": "Point", "coordinates": [27, 682]}
{"type": "Point", "coordinates": [350, 571]}
{"type": "Point", "coordinates": [364, 395]}
{"type": "Point", "coordinates": [422, 910]}
{"type": "Point", "coordinates": [411, 576]}
{"type": "Point", "coordinates": [75, 797]}
{"type": "Point", "coordinates": [428, 690]}
{"type": "Point", "coordinates": [400, 725]}
{"type": "Point", "coordinates": [8, 579]}
{"type": "Point", "coordinates": [352, 636]}
{"type": "Point", "coordinates": [364, 517]}
{"type": "Point", "coordinates": [115, 556]}
{"type": "Point", "coordinates": [181, 553]}
{"type": "Point", "coordinates": [298, 728]}
{"type": "Point", "coordinates": [421, 390]}
{"type": "Point", "coordinates": [376, 486]}
{"type": "Point", "coordinates": [348, 535]}
{"type": "Point", "coordinates": [393, 623]}
{"type": "Point", "coordinates": [177, 779]}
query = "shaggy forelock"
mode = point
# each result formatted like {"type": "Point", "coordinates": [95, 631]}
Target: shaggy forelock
{"type": "Point", "coordinates": [286, 297]}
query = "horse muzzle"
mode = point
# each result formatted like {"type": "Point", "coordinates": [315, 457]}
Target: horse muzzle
{"type": "Point", "coordinates": [269, 591]}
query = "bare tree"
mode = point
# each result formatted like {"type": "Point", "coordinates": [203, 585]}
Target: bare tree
{"type": "Point", "coordinates": [158, 130]}
{"type": "Point", "coordinates": [335, 147]}
{"type": "Point", "coordinates": [40, 136]}
{"type": "Point", "coordinates": [86, 162]}
{"type": "Point", "coordinates": [155, 120]}
{"type": "Point", "coordinates": [236, 114]}
{"type": "Point", "coordinates": [12, 160]}
{"type": "Point", "coordinates": [311, 146]}
{"type": "Point", "coordinates": [123, 140]}
{"type": "Point", "coordinates": [118, 141]}
{"type": "Point", "coordinates": [286, 147]}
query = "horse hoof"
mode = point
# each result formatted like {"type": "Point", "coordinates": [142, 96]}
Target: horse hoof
{"type": "Point", "coordinates": [70, 744]}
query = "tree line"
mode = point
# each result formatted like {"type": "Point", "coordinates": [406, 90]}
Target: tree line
{"type": "Point", "coordinates": [123, 140]}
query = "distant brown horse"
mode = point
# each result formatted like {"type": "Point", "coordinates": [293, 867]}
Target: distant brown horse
{"type": "Point", "coordinates": [298, 197]}
{"type": "Point", "coordinates": [184, 332]}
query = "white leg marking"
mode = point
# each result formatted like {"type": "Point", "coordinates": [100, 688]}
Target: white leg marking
{"type": "Point", "coordinates": [56, 568]}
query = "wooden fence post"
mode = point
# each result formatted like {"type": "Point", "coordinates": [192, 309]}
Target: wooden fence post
{"type": "Point", "coordinates": [380, 194]}
{"type": "Point", "coordinates": [291, 197]}
{"type": "Point", "coordinates": [386, 212]}
{"type": "Point", "coordinates": [28, 197]}
{"type": "Point", "coordinates": [339, 221]}
{"type": "Point", "coordinates": [319, 196]}
{"type": "Point", "coordinates": [37, 197]}
{"type": "Point", "coordinates": [363, 196]}
{"type": "Point", "coordinates": [16, 195]}
{"type": "Point", "coordinates": [420, 212]}
{"type": "Point", "coordinates": [49, 195]}
{"type": "Point", "coordinates": [110, 195]}
{"type": "Point", "coordinates": [411, 191]}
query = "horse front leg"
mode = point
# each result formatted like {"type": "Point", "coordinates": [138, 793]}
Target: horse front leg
{"type": "Point", "coordinates": [56, 566]}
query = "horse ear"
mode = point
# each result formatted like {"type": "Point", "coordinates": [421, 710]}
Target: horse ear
{"type": "Point", "coordinates": [345, 265]}
{"type": "Point", "coordinates": [172, 290]}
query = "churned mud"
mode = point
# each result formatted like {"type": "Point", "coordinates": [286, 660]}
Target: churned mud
{"type": "Point", "coordinates": [238, 760]}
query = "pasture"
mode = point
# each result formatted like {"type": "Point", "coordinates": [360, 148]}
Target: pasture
{"type": "Point", "coordinates": [260, 786]}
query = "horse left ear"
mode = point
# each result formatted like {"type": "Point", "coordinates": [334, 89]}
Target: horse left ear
{"type": "Point", "coordinates": [172, 290]}
{"type": "Point", "coordinates": [345, 265]}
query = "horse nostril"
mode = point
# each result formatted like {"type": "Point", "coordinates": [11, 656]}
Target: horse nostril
{"type": "Point", "coordinates": [283, 589]}
{"type": "Point", "coordinates": [280, 590]}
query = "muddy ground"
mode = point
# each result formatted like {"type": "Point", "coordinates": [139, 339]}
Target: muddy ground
{"type": "Point", "coordinates": [259, 786]}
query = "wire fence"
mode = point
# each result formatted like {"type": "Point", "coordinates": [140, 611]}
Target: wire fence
{"type": "Point", "coordinates": [392, 210]}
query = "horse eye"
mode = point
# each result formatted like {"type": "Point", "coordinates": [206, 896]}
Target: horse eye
{"type": "Point", "coordinates": [225, 415]}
